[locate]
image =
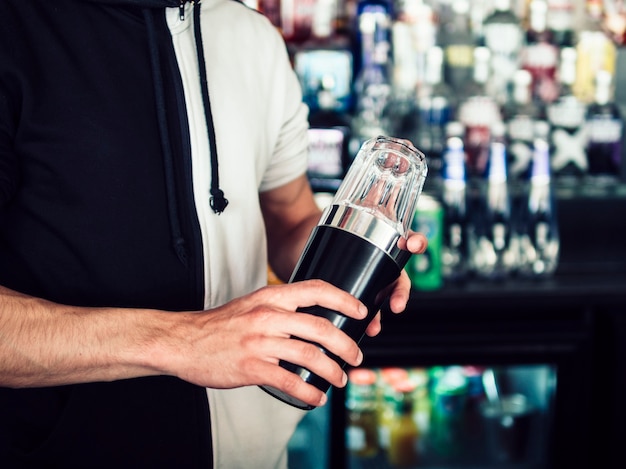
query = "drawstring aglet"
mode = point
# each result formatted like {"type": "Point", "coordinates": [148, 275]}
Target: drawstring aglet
{"type": "Point", "coordinates": [218, 201]}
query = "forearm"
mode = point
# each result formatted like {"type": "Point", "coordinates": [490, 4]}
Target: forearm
{"type": "Point", "coordinates": [45, 344]}
{"type": "Point", "coordinates": [284, 254]}
{"type": "Point", "coordinates": [290, 214]}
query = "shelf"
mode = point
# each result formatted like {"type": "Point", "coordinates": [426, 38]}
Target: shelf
{"type": "Point", "coordinates": [590, 190]}
{"type": "Point", "coordinates": [572, 288]}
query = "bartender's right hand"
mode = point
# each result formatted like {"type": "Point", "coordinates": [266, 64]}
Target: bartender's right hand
{"type": "Point", "coordinates": [241, 342]}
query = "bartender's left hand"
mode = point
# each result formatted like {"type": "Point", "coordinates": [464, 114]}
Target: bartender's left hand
{"type": "Point", "coordinates": [401, 288]}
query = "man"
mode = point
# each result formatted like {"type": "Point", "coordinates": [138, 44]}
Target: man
{"type": "Point", "coordinates": [152, 158]}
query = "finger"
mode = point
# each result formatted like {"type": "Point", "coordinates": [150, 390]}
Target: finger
{"type": "Point", "coordinates": [416, 243]}
{"type": "Point", "coordinates": [311, 357]}
{"type": "Point", "coordinates": [400, 295]}
{"type": "Point", "coordinates": [319, 293]}
{"type": "Point", "coordinates": [291, 384]}
{"type": "Point", "coordinates": [321, 331]}
{"type": "Point", "coordinates": [375, 326]}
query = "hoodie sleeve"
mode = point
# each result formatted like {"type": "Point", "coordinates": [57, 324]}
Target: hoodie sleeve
{"type": "Point", "coordinates": [289, 158]}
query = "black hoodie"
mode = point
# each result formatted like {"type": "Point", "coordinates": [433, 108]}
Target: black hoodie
{"type": "Point", "coordinates": [86, 188]}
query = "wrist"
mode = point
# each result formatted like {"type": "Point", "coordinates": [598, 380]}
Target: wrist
{"type": "Point", "coordinates": [162, 343]}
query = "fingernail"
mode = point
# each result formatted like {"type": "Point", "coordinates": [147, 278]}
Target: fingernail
{"type": "Point", "coordinates": [363, 310]}
{"type": "Point", "coordinates": [421, 246]}
{"type": "Point", "coordinates": [359, 358]}
{"type": "Point", "coordinates": [344, 379]}
{"type": "Point", "coordinates": [323, 399]}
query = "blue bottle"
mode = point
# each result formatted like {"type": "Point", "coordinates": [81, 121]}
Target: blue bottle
{"type": "Point", "coordinates": [492, 256]}
{"type": "Point", "coordinates": [454, 254]}
{"type": "Point", "coordinates": [539, 242]}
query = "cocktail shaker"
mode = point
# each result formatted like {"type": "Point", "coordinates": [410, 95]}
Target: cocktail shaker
{"type": "Point", "coordinates": [355, 244]}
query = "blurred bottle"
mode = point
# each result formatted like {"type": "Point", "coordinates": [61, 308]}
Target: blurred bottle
{"type": "Point", "coordinates": [566, 117]}
{"type": "Point", "coordinates": [343, 17]}
{"type": "Point", "coordinates": [271, 9]}
{"type": "Point", "coordinates": [434, 83]}
{"type": "Point", "coordinates": [440, 114]}
{"type": "Point", "coordinates": [504, 37]}
{"type": "Point", "coordinates": [323, 21]}
{"type": "Point", "coordinates": [421, 17]}
{"type": "Point", "coordinates": [362, 431]}
{"type": "Point", "coordinates": [404, 433]}
{"type": "Point", "coordinates": [329, 136]}
{"type": "Point", "coordinates": [423, 408]}
{"type": "Point", "coordinates": [540, 236]}
{"type": "Point", "coordinates": [454, 253]}
{"type": "Point", "coordinates": [491, 256]}
{"type": "Point", "coordinates": [560, 22]}
{"type": "Point", "coordinates": [447, 431]}
{"type": "Point", "coordinates": [478, 112]}
{"type": "Point", "coordinates": [595, 52]}
{"type": "Point", "coordinates": [434, 375]}
{"type": "Point", "coordinates": [540, 56]}
{"type": "Point", "coordinates": [475, 389]}
{"type": "Point", "coordinates": [417, 125]}
{"type": "Point", "coordinates": [456, 39]}
{"type": "Point", "coordinates": [428, 120]}
{"type": "Point", "coordinates": [381, 12]}
{"type": "Point", "coordinates": [520, 116]}
{"type": "Point", "coordinates": [388, 401]}
{"type": "Point", "coordinates": [296, 19]}
{"type": "Point", "coordinates": [372, 83]}
{"type": "Point", "coordinates": [614, 20]}
{"type": "Point", "coordinates": [435, 107]}
{"type": "Point", "coordinates": [604, 129]}
{"type": "Point", "coordinates": [425, 269]}
{"type": "Point", "coordinates": [473, 419]}
{"type": "Point", "coordinates": [479, 10]}
{"type": "Point", "coordinates": [405, 76]}
{"type": "Point", "coordinates": [481, 70]}
{"type": "Point", "coordinates": [414, 33]}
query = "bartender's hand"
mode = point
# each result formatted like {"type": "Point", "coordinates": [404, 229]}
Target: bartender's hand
{"type": "Point", "coordinates": [401, 288]}
{"type": "Point", "coordinates": [242, 342]}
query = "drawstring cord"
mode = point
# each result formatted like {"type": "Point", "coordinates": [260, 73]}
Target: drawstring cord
{"type": "Point", "coordinates": [178, 240]}
{"type": "Point", "coordinates": [217, 201]}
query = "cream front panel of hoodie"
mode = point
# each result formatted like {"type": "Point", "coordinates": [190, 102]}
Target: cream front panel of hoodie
{"type": "Point", "coordinates": [260, 125]}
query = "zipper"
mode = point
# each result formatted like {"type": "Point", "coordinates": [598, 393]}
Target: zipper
{"type": "Point", "coordinates": [196, 264]}
{"type": "Point", "coordinates": [181, 7]}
